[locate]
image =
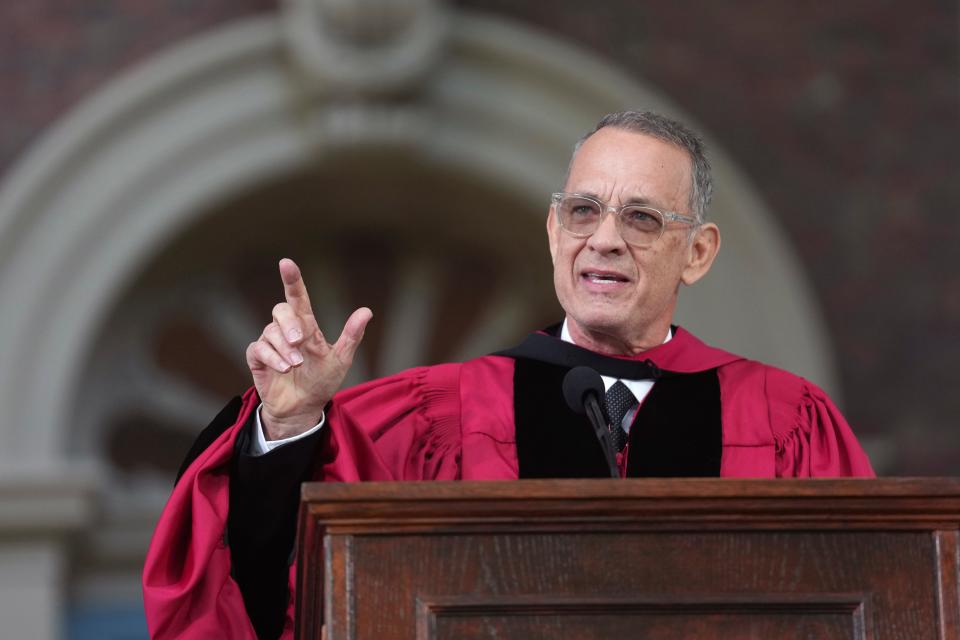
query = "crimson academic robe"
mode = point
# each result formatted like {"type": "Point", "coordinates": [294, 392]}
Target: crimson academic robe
{"type": "Point", "coordinates": [495, 418]}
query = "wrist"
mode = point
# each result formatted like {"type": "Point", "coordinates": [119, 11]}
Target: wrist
{"type": "Point", "coordinates": [281, 428]}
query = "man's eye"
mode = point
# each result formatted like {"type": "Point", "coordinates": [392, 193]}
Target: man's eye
{"type": "Point", "coordinates": [583, 210]}
{"type": "Point", "coordinates": [641, 218]}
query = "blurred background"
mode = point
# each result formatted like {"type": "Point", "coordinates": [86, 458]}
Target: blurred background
{"type": "Point", "coordinates": [157, 157]}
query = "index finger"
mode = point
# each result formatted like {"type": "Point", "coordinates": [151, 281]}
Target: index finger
{"type": "Point", "coordinates": [294, 290]}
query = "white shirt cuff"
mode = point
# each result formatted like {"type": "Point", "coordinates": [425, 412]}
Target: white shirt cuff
{"type": "Point", "coordinates": [260, 445]}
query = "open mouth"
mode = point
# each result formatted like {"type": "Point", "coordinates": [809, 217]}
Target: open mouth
{"type": "Point", "coordinates": [603, 277]}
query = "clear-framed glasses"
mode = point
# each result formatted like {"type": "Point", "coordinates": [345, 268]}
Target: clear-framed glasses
{"type": "Point", "coordinates": [639, 225]}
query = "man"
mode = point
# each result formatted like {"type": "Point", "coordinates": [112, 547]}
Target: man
{"type": "Point", "coordinates": [627, 231]}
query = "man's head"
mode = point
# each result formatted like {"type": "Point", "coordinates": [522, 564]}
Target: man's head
{"type": "Point", "coordinates": [620, 297]}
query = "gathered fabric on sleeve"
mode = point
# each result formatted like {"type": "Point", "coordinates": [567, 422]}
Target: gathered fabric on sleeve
{"type": "Point", "coordinates": [404, 427]}
{"type": "Point", "coordinates": [811, 436]}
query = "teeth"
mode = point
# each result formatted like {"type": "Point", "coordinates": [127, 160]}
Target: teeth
{"type": "Point", "coordinates": [599, 278]}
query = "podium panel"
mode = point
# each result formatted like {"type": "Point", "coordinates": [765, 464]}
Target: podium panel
{"type": "Point", "coordinates": [654, 618]}
{"type": "Point", "coordinates": [650, 559]}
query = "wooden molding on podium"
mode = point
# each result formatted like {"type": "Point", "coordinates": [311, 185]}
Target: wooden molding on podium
{"type": "Point", "coordinates": [652, 559]}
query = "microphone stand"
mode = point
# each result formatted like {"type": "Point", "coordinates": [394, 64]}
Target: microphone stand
{"type": "Point", "coordinates": [595, 415]}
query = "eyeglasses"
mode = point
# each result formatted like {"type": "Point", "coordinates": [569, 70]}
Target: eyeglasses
{"type": "Point", "coordinates": [639, 225]}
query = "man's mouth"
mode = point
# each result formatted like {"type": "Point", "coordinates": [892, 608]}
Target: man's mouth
{"type": "Point", "coordinates": [604, 277]}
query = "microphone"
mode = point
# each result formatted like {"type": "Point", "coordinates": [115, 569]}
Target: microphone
{"type": "Point", "coordinates": [582, 389]}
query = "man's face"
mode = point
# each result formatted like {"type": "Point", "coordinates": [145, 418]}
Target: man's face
{"type": "Point", "coordinates": [617, 297]}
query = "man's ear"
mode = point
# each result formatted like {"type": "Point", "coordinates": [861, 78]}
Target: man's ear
{"type": "Point", "coordinates": [702, 250]}
{"type": "Point", "coordinates": [553, 231]}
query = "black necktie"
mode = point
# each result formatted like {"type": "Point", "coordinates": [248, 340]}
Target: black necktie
{"type": "Point", "coordinates": [619, 401]}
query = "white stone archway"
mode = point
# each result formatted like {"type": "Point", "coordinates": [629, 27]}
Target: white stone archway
{"type": "Point", "coordinates": [138, 162]}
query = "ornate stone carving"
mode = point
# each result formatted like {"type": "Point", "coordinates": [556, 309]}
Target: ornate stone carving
{"type": "Point", "coordinates": [363, 47]}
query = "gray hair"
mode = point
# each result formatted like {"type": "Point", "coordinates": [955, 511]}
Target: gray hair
{"type": "Point", "coordinates": [668, 130]}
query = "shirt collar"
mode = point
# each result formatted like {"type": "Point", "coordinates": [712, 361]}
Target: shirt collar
{"type": "Point", "coordinates": [639, 388]}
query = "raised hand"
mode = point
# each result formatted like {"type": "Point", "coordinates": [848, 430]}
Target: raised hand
{"type": "Point", "coordinates": [295, 370]}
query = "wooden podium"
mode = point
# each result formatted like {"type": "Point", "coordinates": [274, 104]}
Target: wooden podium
{"type": "Point", "coordinates": [625, 559]}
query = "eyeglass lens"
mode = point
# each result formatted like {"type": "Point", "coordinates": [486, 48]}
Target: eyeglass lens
{"type": "Point", "coordinates": [582, 216]}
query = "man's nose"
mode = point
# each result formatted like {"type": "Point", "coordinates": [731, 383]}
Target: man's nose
{"type": "Point", "coordinates": [607, 236]}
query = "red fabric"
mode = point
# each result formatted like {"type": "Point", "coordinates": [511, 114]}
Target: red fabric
{"type": "Point", "coordinates": [455, 421]}
{"type": "Point", "coordinates": [489, 446]}
{"type": "Point", "coordinates": [188, 591]}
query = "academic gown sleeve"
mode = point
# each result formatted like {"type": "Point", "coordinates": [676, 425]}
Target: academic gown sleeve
{"type": "Point", "coordinates": [811, 436]}
{"type": "Point", "coordinates": [404, 427]}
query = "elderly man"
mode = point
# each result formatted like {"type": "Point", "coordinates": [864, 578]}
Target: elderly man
{"type": "Point", "coordinates": [627, 231]}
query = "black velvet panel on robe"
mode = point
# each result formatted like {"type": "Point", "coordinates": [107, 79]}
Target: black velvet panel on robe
{"type": "Point", "coordinates": [262, 521]}
{"type": "Point", "coordinates": [677, 431]}
{"type": "Point", "coordinates": [552, 440]}
{"type": "Point", "coordinates": [262, 524]}
{"type": "Point", "coordinates": [223, 421]}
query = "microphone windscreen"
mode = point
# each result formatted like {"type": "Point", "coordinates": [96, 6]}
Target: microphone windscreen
{"type": "Point", "coordinates": [578, 384]}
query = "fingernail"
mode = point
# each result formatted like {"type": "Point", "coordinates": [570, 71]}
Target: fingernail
{"type": "Point", "coordinates": [296, 358]}
{"type": "Point", "coordinates": [293, 335]}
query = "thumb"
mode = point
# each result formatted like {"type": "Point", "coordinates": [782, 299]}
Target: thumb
{"type": "Point", "coordinates": [352, 334]}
